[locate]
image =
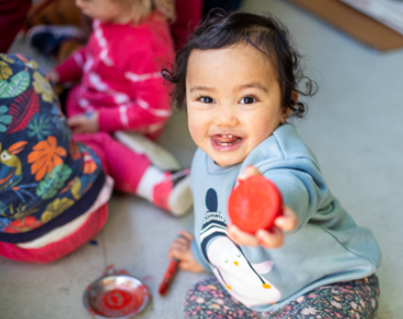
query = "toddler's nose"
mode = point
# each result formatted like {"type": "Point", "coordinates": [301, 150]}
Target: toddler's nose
{"type": "Point", "coordinates": [226, 116]}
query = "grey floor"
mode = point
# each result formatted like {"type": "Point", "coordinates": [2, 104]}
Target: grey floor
{"type": "Point", "coordinates": [354, 127]}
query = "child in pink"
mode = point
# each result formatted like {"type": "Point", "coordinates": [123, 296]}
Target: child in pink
{"type": "Point", "coordinates": [120, 86]}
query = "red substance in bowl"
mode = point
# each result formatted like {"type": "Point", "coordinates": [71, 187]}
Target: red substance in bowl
{"type": "Point", "coordinates": [254, 204]}
{"type": "Point", "coordinates": [117, 303]}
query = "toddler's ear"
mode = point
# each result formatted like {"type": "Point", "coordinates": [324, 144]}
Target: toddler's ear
{"type": "Point", "coordinates": [287, 110]}
{"type": "Point", "coordinates": [286, 114]}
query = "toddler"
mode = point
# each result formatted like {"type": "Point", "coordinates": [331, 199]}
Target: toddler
{"type": "Point", "coordinates": [239, 76]}
{"type": "Point", "coordinates": [120, 85]}
{"type": "Point", "coordinates": [54, 186]}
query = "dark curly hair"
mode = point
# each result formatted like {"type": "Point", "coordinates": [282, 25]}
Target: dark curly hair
{"type": "Point", "coordinates": [221, 30]}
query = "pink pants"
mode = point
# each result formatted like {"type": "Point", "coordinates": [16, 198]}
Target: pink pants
{"type": "Point", "coordinates": [122, 164]}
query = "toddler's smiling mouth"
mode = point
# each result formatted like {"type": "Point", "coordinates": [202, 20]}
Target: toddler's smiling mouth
{"type": "Point", "coordinates": [225, 142]}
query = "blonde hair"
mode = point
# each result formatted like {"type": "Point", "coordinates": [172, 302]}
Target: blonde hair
{"type": "Point", "coordinates": [141, 9]}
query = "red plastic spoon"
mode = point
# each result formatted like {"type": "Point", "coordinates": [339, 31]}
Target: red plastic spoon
{"type": "Point", "coordinates": [254, 204]}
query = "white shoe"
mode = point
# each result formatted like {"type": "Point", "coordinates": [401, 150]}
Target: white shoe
{"type": "Point", "coordinates": [158, 156]}
{"type": "Point", "coordinates": [174, 194]}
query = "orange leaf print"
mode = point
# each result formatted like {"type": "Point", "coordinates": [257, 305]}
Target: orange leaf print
{"type": "Point", "coordinates": [45, 156]}
{"type": "Point", "coordinates": [89, 166]}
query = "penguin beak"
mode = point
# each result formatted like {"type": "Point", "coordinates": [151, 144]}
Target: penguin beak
{"type": "Point", "coordinates": [236, 263]}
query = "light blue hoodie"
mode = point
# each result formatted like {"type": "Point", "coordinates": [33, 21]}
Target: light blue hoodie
{"type": "Point", "coordinates": [326, 247]}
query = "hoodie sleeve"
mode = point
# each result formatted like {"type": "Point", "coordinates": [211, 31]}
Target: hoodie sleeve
{"type": "Point", "coordinates": [72, 68]}
{"type": "Point", "coordinates": [150, 100]}
{"type": "Point", "coordinates": [198, 256]}
{"type": "Point", "coordinates": [301, 185]}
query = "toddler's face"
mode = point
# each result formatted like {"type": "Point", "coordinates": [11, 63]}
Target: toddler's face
{"type": "Point", "coordinates": [104, 10]}
{"type": "Point", "coordinates": [233, 101]}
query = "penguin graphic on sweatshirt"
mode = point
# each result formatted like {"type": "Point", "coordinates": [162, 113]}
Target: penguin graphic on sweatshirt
{"type": "Point", "coordinates": [241, 278]}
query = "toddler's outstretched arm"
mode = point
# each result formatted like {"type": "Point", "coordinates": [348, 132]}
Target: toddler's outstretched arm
{"type": "Point", "coordinates": [268, 239]}
{"type": "Point", "coordinates": [180, 249]}
{"type": "Point", "coordinates": [71, 69]}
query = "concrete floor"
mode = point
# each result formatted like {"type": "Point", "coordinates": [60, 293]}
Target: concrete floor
{"type": "Point", "coordinates": [354, 127]}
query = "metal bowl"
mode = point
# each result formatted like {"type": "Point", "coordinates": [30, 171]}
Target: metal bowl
{"type": "Point", "coordinates": [116, 296]}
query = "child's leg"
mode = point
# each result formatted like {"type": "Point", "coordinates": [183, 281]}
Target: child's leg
{"type": "Point", "coordinates": [352, 299]}
{"type": "Point", "coordinates": [356, 299]}
{"type": "Point", "coordinates": [139, 143]}
{"type": "Point", "coordinates": [209, 299]}
{"type": "Point", "coordinates": [134, 174]}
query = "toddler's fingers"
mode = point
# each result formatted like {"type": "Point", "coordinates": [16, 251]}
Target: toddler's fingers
{"type": "Point", "coordinates": [288, 221]}
{"type": "Point", "coordinates": [176, 250]}
{"type": "Point", "coordinates": [272, 239]}
{"type": "Point", "coordinates": [180, 244]}
{"type": "Point", "coordinates": [186, 235]}
{"type": "Point", "coordinates": [249, 171]}
{"type": "Point", "coordinates": [174, 253]}
{"type": "Point", "coordinates": [242, 238]}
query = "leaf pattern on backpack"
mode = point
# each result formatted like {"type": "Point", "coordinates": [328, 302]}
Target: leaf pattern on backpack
{"type": "Point", "coordinates": [22, 110]}
{"type": "Point", "coordinates": [5, 118]}
{"type": "Point", "coordinates": [53, 181]}
{"type": "Point", "coordinates": [17, 85]}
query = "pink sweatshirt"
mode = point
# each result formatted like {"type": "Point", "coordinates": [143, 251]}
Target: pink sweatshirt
{"type": "Point", "coordinates": [120, 70]}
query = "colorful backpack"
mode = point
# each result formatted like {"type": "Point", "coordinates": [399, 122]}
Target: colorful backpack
{"type": "Point", "coordinates": [46, 179]}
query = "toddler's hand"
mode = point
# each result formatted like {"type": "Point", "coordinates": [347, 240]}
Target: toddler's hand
{"type": "Point", "coordinates": [180, 249]}
{"type": "Point", "coordinates": [53, 76]}
{"type": "Point", "coordinates": [269, 239]}
{"type": "Point", "coordinates": [84, 123]}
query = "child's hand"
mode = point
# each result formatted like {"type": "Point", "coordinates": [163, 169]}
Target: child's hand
{"type": "Point", "coordinates": [84, 123]}
{"type": "Point", "coordinates": [269, 239]}
{"type": "Point", "coordinates": [53, 76]}
{"type": "Point", "coordinates": [180, 249]}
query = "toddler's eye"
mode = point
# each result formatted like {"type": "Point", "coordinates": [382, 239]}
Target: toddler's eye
{"type": "Point", "coordinates": [206, 99]}
{"type": "Point", "coordinates": [248, 100]}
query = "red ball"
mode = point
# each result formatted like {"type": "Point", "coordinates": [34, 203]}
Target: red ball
{"type": "Point", "coordinates": [254, 204]}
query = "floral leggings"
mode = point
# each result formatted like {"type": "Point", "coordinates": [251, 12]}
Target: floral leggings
{"type": "Point", "coordinates": [356, 299]}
